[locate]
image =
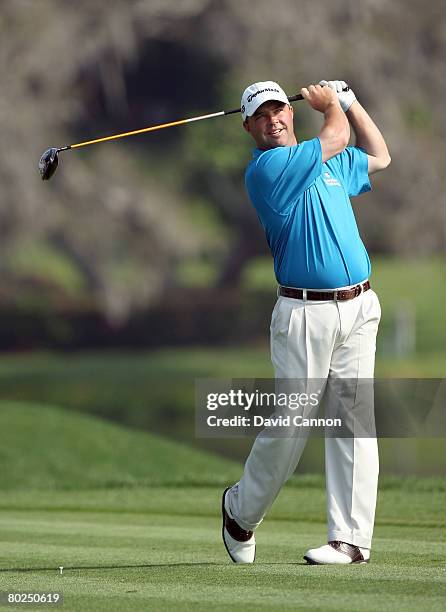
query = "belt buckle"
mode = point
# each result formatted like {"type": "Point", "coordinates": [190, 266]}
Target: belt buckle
{"type": "Point", "coordinates": [335, 295]}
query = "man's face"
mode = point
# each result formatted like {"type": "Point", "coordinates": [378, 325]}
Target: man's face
{"type": "Point", "coordinates": [272, 125]}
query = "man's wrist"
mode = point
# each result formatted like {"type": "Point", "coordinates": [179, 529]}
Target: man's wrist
{"type": "Point", "coordinates": [352, 106]}
{"type": "Point", "coordinates": [332, 107]}
{"type": "Point", "coordinates": [346, 100]}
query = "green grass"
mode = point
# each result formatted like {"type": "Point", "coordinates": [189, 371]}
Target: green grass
{"type": "Point", "coordinates": [154, 391]}
{"type": "Point", "coordinates": [122, 512]}
{"type": "Point", "coordinates": [159, 548]}
{"type": "Point", "coordinates": [54, 448]}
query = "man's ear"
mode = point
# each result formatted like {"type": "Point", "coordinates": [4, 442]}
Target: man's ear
{"type": "Point", "coordinates": [246, 125]}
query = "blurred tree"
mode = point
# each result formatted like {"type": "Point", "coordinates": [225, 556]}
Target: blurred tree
{"type": "Point", "coordinates": [120, 226]}
{"type": "Point", "coordinates": [123, 213]}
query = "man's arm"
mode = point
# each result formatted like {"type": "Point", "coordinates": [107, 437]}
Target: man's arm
{"type": "Point", "coordinates": [335, 132]}
{"type": "Point", "coordinates": [368, 138]}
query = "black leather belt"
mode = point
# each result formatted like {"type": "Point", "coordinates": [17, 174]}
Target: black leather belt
{"type": "Point", "coordinates": [340, 295]}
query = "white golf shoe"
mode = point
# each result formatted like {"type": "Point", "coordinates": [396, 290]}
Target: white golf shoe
{"type": "Point", "coordinates": [240, 544]}
{"type": "Point", "coordinates": [337, 553]}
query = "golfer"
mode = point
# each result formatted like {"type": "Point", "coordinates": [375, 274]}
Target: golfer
{"type": "Point", "coordinates": [325, 321]}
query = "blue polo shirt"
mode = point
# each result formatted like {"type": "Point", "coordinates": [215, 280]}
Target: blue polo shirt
{"type": "Point", "coordinates": [304, 207]}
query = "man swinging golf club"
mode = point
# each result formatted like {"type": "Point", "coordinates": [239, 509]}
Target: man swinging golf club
{"type": "Point", "coordinates": [326, 318]}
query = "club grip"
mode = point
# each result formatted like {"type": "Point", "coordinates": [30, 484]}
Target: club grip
{"type": "Point", "coordinates": [290, 98]}
{"type": "Point", "coordinates": [300, 96]}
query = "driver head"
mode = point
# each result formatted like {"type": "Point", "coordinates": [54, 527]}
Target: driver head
{"type": "Point", "coordinates": [48, 163]}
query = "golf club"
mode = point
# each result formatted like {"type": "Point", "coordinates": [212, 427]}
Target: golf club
{"type": "Point", "coordinates": [50, 159]}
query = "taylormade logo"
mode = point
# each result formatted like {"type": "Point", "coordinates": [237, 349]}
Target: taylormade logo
{"type": "Point", "coordinates": [251, 96]}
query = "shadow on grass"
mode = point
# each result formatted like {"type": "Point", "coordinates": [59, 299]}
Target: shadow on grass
{"type": "Point", "coordinates": [143, 566]}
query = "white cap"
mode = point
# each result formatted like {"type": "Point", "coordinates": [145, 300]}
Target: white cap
{"type": "Point", "coordinates": [258, 93]}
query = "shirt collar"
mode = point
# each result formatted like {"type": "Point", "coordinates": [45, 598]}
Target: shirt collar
{"type": "Point", "coordinates": [257, 152]}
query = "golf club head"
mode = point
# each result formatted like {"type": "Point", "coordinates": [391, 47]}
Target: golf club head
{"type": "Point", "coordinates": [48, 163]}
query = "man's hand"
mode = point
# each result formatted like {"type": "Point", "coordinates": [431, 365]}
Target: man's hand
{"type": "Point", "coordinates": [319, 98]}
{"type": "Point", "coordinates": [346, 98]}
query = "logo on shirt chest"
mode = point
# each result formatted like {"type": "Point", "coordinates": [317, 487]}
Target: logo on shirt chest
{"type": "Point", "coordinates": [330, 181]}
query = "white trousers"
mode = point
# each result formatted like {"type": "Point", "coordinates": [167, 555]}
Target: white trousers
{"type": "Point", "coordinates": [318, 340]}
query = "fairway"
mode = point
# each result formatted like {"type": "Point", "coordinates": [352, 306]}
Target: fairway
{"type": "Point", "coordinates": [159, 548]}
{"type": "Point", "coordinates": [223, 306]}
{"type": "Point", "coordinates": [122, 512]}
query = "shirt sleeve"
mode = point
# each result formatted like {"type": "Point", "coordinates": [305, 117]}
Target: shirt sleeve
{"type": "Point", "coordinates": [352, 166]}
{"type": "Point", "coordinates": [284, 173]}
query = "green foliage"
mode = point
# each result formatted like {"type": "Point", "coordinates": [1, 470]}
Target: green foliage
{"type": "Point", "coordinates": [399, 282]}
{"type": "Point", "coordinates": [222, 142]}
{"type": "Point", "coordinates": [420, 283]}
{"type": "Point", "coordinates": [39, 260]}
{"type": "Point", "coordinates": [196, 273]}
{"type": "Point", "coordinates": [420, 118]}
{"type": "Point", "coordinates": [259, 274]}
{"type": "Point", "coordinates": [126, 204]}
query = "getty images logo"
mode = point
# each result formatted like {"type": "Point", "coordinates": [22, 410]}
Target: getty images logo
{"type": "Point", "coordinates": [253, 95]}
